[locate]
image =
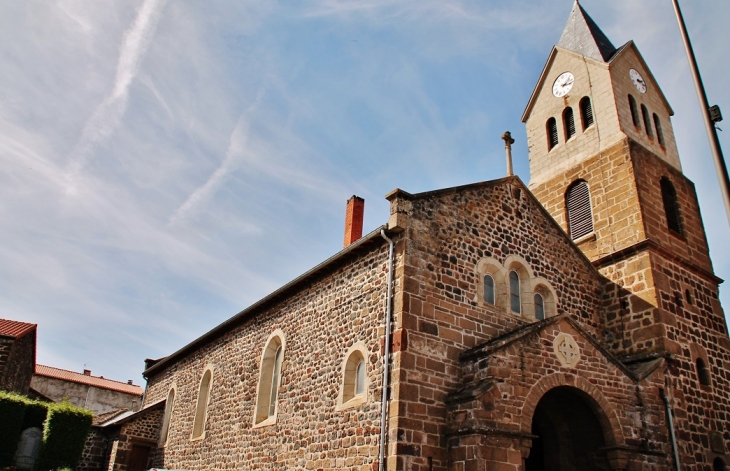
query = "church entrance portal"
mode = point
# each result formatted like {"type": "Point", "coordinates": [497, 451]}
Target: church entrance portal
{"type": "Point", "coordinates": [570, 437]}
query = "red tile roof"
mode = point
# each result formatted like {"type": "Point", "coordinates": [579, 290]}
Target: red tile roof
{"type": "Point", "coordinates": [96, 381]}
{"type": "Point", "coordinates": [15, 329]}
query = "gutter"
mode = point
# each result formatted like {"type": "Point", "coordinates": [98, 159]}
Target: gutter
{"type": "Point", "coordinates": [663, 394]}
{"type": "Point", "coordinates": [386, 356]}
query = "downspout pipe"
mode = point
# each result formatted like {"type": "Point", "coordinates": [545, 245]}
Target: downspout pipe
{"type": "Point", "coordinates": [671, 428]}
{"type": "Point", "coordinates": [386, 356]}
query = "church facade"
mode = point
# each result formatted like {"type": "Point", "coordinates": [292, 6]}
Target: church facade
{"type": "Point", "coordinates": [569, 324]}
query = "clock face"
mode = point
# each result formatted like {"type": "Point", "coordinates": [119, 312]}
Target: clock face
{"type": "Point", "coordinates": [638, 80]}
{"type": "Point", "coordinates": [563, 84]}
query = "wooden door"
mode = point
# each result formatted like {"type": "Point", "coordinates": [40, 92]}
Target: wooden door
{"type": "Point", "coordinates": [138, 458]}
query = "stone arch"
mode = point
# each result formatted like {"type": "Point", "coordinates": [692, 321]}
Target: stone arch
{"type": "Point", "coordinates": [269, 380]}
{"type": "Point", "coordinates": [348, 397]}
{"type": "Point", "coordinates": [526, 275]}
{"type": "Point", "coordinates": [492, 267]}
{"type": "Point", "coordinates": [543, 287]}
{"type": "Point", "coordinates": [603, 410]}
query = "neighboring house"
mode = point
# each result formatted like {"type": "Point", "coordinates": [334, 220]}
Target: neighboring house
{"type": "Point", "coordinates": [96, 393]}
{"type": "Point", "coordinates": [549, 327]}
{"type": "Point", "coordinates": [17, 355]}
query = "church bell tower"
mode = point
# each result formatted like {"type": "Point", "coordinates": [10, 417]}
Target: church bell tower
{"type": "Point", "coordinates": [604, 163]}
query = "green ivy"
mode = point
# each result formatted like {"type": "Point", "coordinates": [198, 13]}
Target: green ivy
{"type": "Point", "coordinates": [12, 410]}
{"type": "Point", "coordinates": [64, 435]}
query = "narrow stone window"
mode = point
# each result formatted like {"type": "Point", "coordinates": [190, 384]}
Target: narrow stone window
{"type": "Point", "coordinates": [514, 292]}
{"type": "Point", "coordinates": [703, 373]}
{"type": "Point", "coordinates": [169, 406]}
{"type": "Point", "coordinates": [354, 378]}
{"type": "Point", "coordinates": [647, 121]}
{"type": "Point", "coordinates": [671, 207]}
{"type": "Point", "coordinates": [552, 133]}
{"type": "Point", "coordinates": [568, 123]}
{"type": "Point", "coordinates": [586, 112]}
{"type": "Point", "coordinates": [488, 289]}
{"type": "Point", "coordinates": [659, 132]}
{"type": "Point", "coordinates": [201, 409]}
{"type": "Point", "coordinates": [539, 307]}
{"type": "Point", "coordinates": [580, 215]}
{"type": "Point", "coordinates": [634, 112]}
{"type": "Point", "coordinates": [688, 296]}
{"type": "Point", "coordinates": [718, 465]}
{"type": "Point", "coordinates": [269, 381]}
{"type": "Point", "coordinates": [360, 378]}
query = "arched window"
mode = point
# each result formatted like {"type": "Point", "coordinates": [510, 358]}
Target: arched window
{"type": "Point", "coordinates": [269, 380]}
{"type": "Point", "coordinates": [647, 120]}
{"type": "Point", "coordinates": [568, 123]}
{"type": "Point", "coordinates": [718, 465]}
{"type": "Point", "coordinates": [354, 377]}
{"type": "Point", "coordinates": [539, 307]}
{"type": "Point", "coordinates": [514, 292]}
{"type": "Point", "coordinates": [488, 289]}
{"type": "Point", "coordinates": [671, 207]}
{"type": "Point", "coordinates": [169, 406]}
{"type": "Point", "coordinates": [634, 112]}
{"type": "Point", "coordinates": [659, 132]}
{"type": "Point", "coordinates": [580, 215]}
{"type": "Point", "coordinates": [703, 373]}
{"type": "Point", "coordinates": [201, 409]}
{"type": "Point", "coordinates": [552, 133]}
{"type": "Point", "coordinates": [586, 112]}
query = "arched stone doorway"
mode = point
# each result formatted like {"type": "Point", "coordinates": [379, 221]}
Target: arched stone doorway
{"type": "Point", "coordinates": [570, 435]}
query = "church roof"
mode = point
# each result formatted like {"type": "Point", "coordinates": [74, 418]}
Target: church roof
{"type": "Point", "coordinates": [582, 35]}
{"type": "Point", "coordinates": [15, 329]}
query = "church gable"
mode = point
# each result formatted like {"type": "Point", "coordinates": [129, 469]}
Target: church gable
{"type": "Point", "coordinates": [506, 380]}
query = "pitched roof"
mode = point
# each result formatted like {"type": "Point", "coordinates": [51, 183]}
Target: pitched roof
{"type": "Point", "coordinates": [96, 381]}
{"type": "Point", "coordinates": [15, 329]}
{"type": "Point", "coordinates": [582, 35]}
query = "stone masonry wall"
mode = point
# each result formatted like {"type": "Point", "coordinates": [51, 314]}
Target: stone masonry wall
{"type": "Point", "coordinates": [94, 455]}
{"type": "Point", "coordinates": [142, 429]}
{"type": "Point", "coordinates": [320, 321]}
{"type": "Point", "coordinates": [697, 326]}
{"type": "Point", "coordinates": [447, 233]}
{"type": "Point", "coordinates": [631, 411]}
{"type": "Point", "coordinates": [17, 363]}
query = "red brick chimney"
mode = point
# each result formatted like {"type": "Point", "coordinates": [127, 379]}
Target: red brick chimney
{"type": "Point", "coordinates": [353, 219]}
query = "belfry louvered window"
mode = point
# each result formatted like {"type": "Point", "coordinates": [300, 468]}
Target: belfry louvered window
{"type": "Point", "coordinates": [647, 121]}
{"type": "Point", "coordinates": [568, 123]}
{"type": "Point", "coordinates": [658, 127]}
{"type": "Point", "coordinates": [634, 112]}
{"type": "Point", "coordinates": [552, 133]}
{"type": "Point", "coordinates": [580, 216]}
{"type": "Point", "coordinates": [586, 112]}
{"type": "Point", "coordinates": [671, 208]}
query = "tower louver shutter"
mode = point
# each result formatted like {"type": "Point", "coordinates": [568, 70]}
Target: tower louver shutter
{"type": "Point", "coordinates": [586, 111]}
{"type": "Point", "coordinates": [580, 217]}
{"type": "Point", "coordinates": [569, 122]}
{"type": "Point", "coordinates": [552, 130]}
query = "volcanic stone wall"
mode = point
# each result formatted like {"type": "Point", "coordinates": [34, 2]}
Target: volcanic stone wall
{"type": "Point", "coordinates": [447, 234]}
{"type": "Point", "coordinates": [17, 363]}
{"type": "Point", "coordinates": [320, 320]}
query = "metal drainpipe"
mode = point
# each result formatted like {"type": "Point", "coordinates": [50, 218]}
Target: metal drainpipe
{"type": "Point", "coordinates": [386, 359]}
{"type": "Point", "coordinates": [671, 428]}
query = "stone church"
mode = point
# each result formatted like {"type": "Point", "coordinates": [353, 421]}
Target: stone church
{"type": "Point", "coordinates": [569, 324]}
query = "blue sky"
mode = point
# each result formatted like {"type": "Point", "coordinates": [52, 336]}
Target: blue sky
{"type": "Point", "coordinates": [164, 164]}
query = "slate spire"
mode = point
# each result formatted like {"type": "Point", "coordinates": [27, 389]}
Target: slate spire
{"type": "Point", "coordinates": [582, 35]}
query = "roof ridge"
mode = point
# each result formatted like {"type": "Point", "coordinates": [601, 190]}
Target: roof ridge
{"type": "Point", "coordinates": [86, 376]}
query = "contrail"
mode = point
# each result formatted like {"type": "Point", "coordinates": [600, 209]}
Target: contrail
{"type": "Point", "coordinates": [236, 147]}
{"type": "Point", "coordinates": [109, 113]}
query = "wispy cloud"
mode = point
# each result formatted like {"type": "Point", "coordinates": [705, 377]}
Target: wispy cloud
{"type": "Point", "coordinates": [236, 147]}
{"type": "Point", "coordinates": [108, 114]}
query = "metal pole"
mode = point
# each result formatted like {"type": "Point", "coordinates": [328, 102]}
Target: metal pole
{"type": "Point", "coordinates": [720, 166]}
{"type": "Point", "coordinates": [508, 141]}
